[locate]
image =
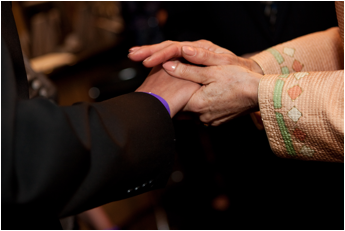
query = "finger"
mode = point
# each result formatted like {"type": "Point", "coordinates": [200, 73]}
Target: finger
{"type": "Point", "coordinates": [144, 52]}
{"type": "Point", "coordinates": [208, 45]}
{"type": "Point", "coordinates": [220, 121]}
{"type": "Point", "coordinates": [195, 102]}
{"type": "Point", "coordinates": [197, 56]}
{"type": "Point", "coordinates": [159, 53]}
{"type": "Point", "coordinates": [205, 57]}
{"type": "Point", "coordinates": [188, 72]}
{"type": "Point", "coordinates": [171, 51]}
{"type": "Point", "coordinates": [133, 49]}
{"type": "Point", "coordinates": [159, 46]}
{"type": "Point", "coordinates": [141, 53]}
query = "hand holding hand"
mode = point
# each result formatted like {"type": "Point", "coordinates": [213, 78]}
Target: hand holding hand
{"type": "Point", "coordinates": [230, 83]}
{"type": "Point", "coordinates": [207, 53]}
{"type": "Point", "coordinates": [227, 92]}
{"type": "Point", "coordinates": [175, 91]}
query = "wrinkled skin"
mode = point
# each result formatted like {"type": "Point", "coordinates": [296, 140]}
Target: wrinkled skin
{"type": "Point", "coordinates": [228, 91]}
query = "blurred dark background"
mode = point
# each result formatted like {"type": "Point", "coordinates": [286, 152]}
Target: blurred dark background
{"type": "Point", "coordinates": [224, 177]}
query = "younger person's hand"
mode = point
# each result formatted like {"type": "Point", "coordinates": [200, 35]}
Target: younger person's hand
{"type": "Point", "coordinates": [175, 91]}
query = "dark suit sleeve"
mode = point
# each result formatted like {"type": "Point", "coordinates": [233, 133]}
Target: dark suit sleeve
{"type": "Point", "coordinates": [69, 159]}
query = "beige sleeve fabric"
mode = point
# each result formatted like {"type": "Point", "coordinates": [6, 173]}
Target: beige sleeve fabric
{"type": "Point", "coordinates": [320, 51]}
{"type": "Point", "coordinates": [301, 95]}
{"type": "Point", "coordinates": [339, 7]}
{"type": "Point", "coordinates": [303, 114]}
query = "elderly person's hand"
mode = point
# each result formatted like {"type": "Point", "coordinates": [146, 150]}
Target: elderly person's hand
{"type": "Point", "coordinates": [159, 53]}
{"type": "Point", "coordinates": [175, 91]}
{"type": "Point", "coordinates": [227, 92]}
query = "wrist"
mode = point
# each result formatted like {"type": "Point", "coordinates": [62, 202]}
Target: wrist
{"type": "Point", "coordinates": [176, 101]}
{"type": "Point", "coordinates": [250, 64]}
{"type": "Point", "coordinates": [253, 92]}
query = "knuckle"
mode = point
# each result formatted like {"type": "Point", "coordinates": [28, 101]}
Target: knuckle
{"type": "Point", "coordinates": [216, 123]}
{"type": "Point", "coordinates": [205, 41]}
{"type": "Point", "coordinates": [169, 51]}
{"type": "Point", "coordinates": [203, 54]}
{"type": "Point", "coordinates": [182, 69]}
{"type": "Point", "coordinates": [175, 43]}
{"type": "Point", "coordinates": [173, 49]}
{"type": "Point", "coordinates": [229, 59]}
{"type": "Point", "coordinates": [206, 118]}
{"type": "Point", "coordinates": [214, 69]}
{"type": "Point", "coordinates": [167, 42]}
{"type": "Point", "coordinates": [165, 54]}
{"type": "Point", "coordinates": [176, 50]}
{"type": "Point", "coordinates": [197, 107]}
{"type": "Point", "coordinates": [209, 73]}
{"type": "Point", "coordinates": [151, 49]}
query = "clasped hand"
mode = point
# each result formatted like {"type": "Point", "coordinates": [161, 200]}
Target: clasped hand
{"type": "Point", "coordinates": [229, 84]}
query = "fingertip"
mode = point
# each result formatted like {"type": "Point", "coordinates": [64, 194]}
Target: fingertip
{"type": "Point", "coordinates": [133, 49]}
{"type": "Point", "coordinates": [137, 56]}
{"type": "Point", "coordinates": [130, 57]}
{"type": "Point", "coordinates": [134, 58]}
{"type": "Point", "coordinates": [148, 65]}
{"type": "Point", "coordinates": [188, 50]}
{"type": "Point", "coordinates": [150, 62]}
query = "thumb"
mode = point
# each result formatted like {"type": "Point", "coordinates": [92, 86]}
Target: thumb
{"type": "Point", "coordinates": [194, 103]}
{"type": "Point", "coordinates": [188, 72]}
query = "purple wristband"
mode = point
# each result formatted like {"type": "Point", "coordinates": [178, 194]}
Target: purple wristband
{"type": "Point", "coordinates": [166, 105]}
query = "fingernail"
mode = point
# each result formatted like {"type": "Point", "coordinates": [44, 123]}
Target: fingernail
{"type": "Point", "coordinates": [170, 66]}
{"type": "Point", "coordinates": [147, 59]}
{"type": "Point", "coordinates": [188, 50]}
{"type": "Point", "coordinates": [133, 49]}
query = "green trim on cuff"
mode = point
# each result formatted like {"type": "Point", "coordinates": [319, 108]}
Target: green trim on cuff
{"type": "Point", "coordinates": [277, 94]}
{"type": "Point", "coordinates": [285, 134]}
